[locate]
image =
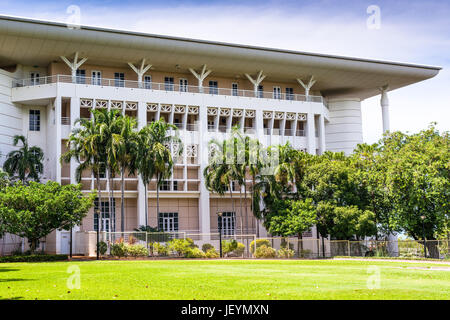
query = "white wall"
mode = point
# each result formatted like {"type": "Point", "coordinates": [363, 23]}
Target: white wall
{"type": "Point", "coordinates": [10, 115]}
{"type": "Point", "coordinates": [344, 129]}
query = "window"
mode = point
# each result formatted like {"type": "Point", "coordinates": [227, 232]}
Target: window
{"type": "Point", "coordinates": [119, 79]}
{"type": "Point", "coordinates": [183, 85]}
{"type": "Point", "coordinates": [81, 76]}
{"type": "Point", "coordinates": [35, 120]}
{"type": "Point", "coordinates": [168, 221]}
{"type": "Point", "coordinates": [234, 89]}
{"type": "Point", "coordinates": [289, 94]}
{"type": "Point", "coordinates": [107, 223]}
{"type": "Point", "coordinates": [34, 78]}
{"type": "Point", "coordinates": [168, 83]}
{"type": "Point", "coordinates": [213, 87]}
{"type": "Point", "coordinates": [276, 92]}
{"type": "Point", "coordinates": [164, 186]}
{"type": "Point", "coordinates": [147, 82]}
{"type": "Point", "coordinates": [228, 223]}
{"type": "Point", "coordinates": [260, 91]}
{"type": "Point", "coordinates": [97, 78]}
{"type": "Point", "coordinates": [175, 186]}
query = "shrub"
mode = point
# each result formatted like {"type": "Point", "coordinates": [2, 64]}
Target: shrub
{"type": "Point", "coordinates": [207, 246]}
{"type": "Point", "coordinates": [305, 253]}
{"type": "Point", "coordinates": [229, 246]}
{"type": "Point", "coordinates": [259, 243]}
{"type": "Point", "coordinates": [160, 249]}
{"type": "Point", "coordinates": [194, 253]}
{"type": "Point", "coordinates": [265, 252]}
{"type": "Point", "coordinates": [118, 250]}
{"type": "Point", "coordinates": [102, 247]}
{"type": "Point", "coordinates": [212, 253]}
{"type": "Point", "coordinates": [285, 253]}
{"type": "Point", "coordinates": [34, 258]}
{"type": "Point", "coordinates": [181, 246]}
{"type": "Point", "coordinates": [136, 250]}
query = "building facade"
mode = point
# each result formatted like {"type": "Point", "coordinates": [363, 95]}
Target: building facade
{"type": "Point", "coordinates": [51, 75]}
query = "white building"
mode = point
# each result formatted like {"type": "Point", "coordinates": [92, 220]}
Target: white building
{"type": "Point", "coordinates": [51, 75]}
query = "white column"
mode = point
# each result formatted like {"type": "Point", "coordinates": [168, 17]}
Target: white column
{"type": "Point", "coordinates": [58, 137]}
{"type": "Point", "coordinates": [259, 124]}
{"type": "Point", "coordinates": [321, 134]}
{"type": "Point", "coordinates": [384, 102]}
{"type": "Point", "coordinates": [141, 203]}
{"type": "Point", "coordinates": [202, 155]}
{"type": "Point", "coordinates": [310, 133]}
{"type": "Point", "coordinates": [344, 129]}
{"type": "Point", "coordinates": [74, 115]}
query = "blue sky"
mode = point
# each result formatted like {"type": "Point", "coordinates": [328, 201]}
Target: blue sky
{"type": "Point", "coordinates": [410, 31]}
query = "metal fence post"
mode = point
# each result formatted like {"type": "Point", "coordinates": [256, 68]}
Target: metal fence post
{"type": "Point", "coordinates": [348, 245]}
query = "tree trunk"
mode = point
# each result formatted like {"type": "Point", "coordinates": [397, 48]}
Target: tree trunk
{"type": "Point", "coordinates": [246, 209]}
{"type": "Point", "coordinates": [232, 200]}
{"type": "Point", "coordinates": [112, 216]}
{"type": "Point", "coordinates": [122, 199]}
{"type": "Point", "coordinates": [432, 249]}
{"type": "Point", "coordinates": [99, 214]}
{"type": "Point", "coordinates": [240, 213]}
{"type": "Point", "coordinates": [146, 205]}
{"type": "Point", "coordinates": [299, 245]}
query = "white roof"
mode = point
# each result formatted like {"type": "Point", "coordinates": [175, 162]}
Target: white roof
{"type": "Point", "coordinates": [36, 42]}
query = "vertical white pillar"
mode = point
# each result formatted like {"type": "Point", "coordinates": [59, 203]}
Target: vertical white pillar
{"type": "Point", "coordinates": [385, 109]}
{"type": "Point", "coordinates": [321, 134]}
{"type": "Point", "coordinates": [310, 133]}
{"type": "Point", "coordinates": [74, 116]}
{"type": "Point", "coordinates": [202, 155]}
{"type": "Point", "coordinates": [142, 197]}
{"type": "Point", "coordinates": [58, 137]}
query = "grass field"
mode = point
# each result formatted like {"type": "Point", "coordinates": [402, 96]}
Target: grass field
{"type": "Point", "coordinates": [227, 279]}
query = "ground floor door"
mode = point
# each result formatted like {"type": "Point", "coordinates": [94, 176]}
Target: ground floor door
{"type": "Point", "coordinates": [65, 242]}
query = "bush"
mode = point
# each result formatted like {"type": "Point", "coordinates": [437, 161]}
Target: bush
{"type": "Point", "coordinates": [306, 253]}
{"type": "Point", "coordinates": [136, 250]}
{"type": "Point", "coordinates": [259, 243]}
{"type": "Point", "coordinates": [207, 246]}
{"type": "Point", "coordinates": [34, 258]}
{"type": "Point", "coordinates": [181, 246]}
{"type": "Point", "coordinates": [102, 247]}
{"type": "Point", "coordinates": [118, 250]}
{"type": "Point", "coordinates": [265, 252]}
{"type": "Point", "coordinates": [161, 249]}
{"type": "Point", "coordinates": [232, 248]}
{"type": "Point", "coordinates": [194, 253]}
{"type": "Point", "coordinates": [285, 253]}
{"type": "Point", "coordinates": [212, 253]}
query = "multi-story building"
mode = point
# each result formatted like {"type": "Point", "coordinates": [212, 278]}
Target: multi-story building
{"type": "Point", "coordinates": [52, 74]}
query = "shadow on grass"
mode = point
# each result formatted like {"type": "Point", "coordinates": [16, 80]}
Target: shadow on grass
{"type": "Point", "coordinates": [14, 280]}
{"type": "Point", "coordinates": [12, 298]}
{"type": "Point", "coordinates": [6, 269]}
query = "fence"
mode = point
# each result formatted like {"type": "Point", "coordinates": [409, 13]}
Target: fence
{"type": "Point", "coordinates": [279, 247]}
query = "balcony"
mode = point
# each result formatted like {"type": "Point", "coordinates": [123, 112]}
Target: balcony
{"type": "Point", "coordinates": [118, 83]}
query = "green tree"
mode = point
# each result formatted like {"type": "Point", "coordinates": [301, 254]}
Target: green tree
{"type": "Point", "coordinates": [126, 157]}
{"type": "Point", "coordinates": [417, 169]}
{"type": "Point", "coordinates": [33, 211]}
{"type": "Point", "coordinates": [24, 163]}
{"type": "Point", "coordinates": [109, 123]}
{"type": "Point", "coordinates": [155, 156]}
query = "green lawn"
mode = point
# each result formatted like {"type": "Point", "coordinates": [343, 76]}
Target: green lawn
{"type": "Point", "coordinates": [227, 279]}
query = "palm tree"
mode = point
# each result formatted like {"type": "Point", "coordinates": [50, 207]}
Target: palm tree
{"type": "Point", "coordinates": [126, 157]}
{"type": "Point", "coordinates": [86, 147]}
{"type": "Point", "coordinates": [25, 162]}
{"type": "Point", "coordinates": [155, 157]}
{"type": "Point", "coordinates": [220, 173]}
{"type": "Point", "coordinates": [109, 127]}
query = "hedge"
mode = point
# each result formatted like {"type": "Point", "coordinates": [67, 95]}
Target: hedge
{"type": "Point", "coordinates": [34, 258]}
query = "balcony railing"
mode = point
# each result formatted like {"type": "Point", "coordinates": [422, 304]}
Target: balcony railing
{"type": "Point", "coordinates": [162, 87]}
{"type": "Point", "coordinates": [65, 121]}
